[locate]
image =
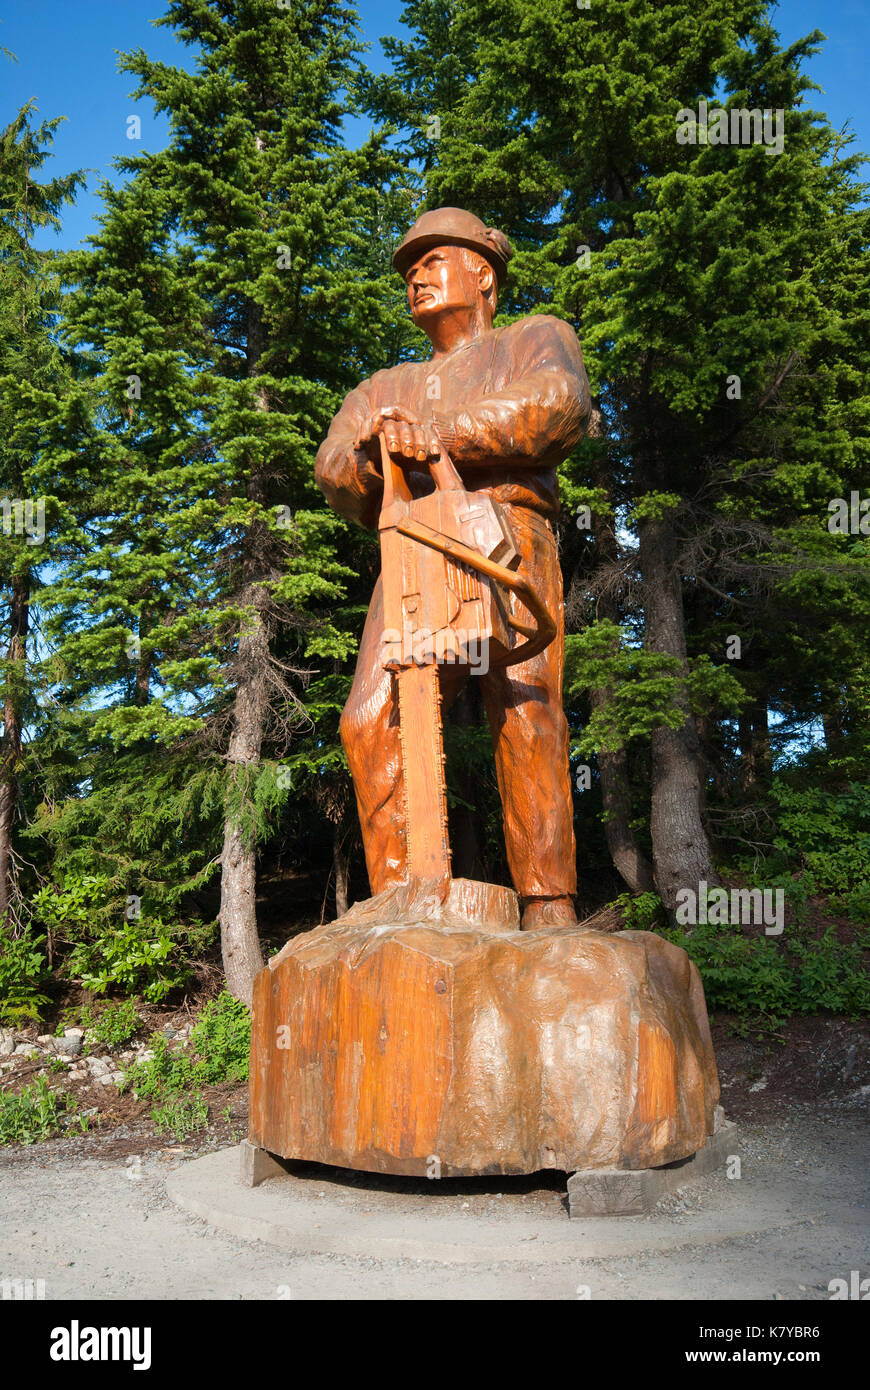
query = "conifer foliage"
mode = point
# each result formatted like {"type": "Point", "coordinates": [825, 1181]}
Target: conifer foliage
{"type": "Point", "coordinates": [178, 644]}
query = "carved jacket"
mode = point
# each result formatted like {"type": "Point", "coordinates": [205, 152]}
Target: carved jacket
{"type": "Point", "coordinates": [508, 407]}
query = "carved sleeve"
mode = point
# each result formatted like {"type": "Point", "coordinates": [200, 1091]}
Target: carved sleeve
{"type": "Point", "coordinates": [540, 416]}
{"type": "Point", "coordinates": [349, 481]}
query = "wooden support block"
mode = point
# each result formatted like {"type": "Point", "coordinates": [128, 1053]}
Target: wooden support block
{"type": "Point", "coordinates": [622, 1192]}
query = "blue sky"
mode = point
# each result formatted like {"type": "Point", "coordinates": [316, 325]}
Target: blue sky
{"type": "Point", "coordinates": [67, 61]}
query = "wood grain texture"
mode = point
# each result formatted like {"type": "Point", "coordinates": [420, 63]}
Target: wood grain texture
{"type": "Point", "coordinates": [490, 1053]}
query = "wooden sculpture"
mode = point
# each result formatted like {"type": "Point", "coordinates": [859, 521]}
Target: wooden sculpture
{"type": "Point", "coordinates": [445, 1026]}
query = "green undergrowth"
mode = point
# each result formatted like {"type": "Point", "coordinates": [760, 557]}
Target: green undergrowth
{"type": "Point", "coordinates": [37, 1112]}
{"type": "Point", "coordinates": [765, 979]}
{"type": "Point", "coordinates": [174, 1078]}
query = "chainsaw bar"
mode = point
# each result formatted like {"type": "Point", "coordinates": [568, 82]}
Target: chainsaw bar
{"type": "Point", "coordinates": [422, 744]}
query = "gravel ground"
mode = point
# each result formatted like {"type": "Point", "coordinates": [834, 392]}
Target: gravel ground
{"type": "Point", "coordinates": [102, 1227]}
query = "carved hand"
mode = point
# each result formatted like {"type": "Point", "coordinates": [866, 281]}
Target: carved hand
{"type": "Point", "coordinates": [407, 439]}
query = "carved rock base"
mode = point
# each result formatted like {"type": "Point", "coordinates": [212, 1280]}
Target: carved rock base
{"type": "Point", "coordinates": [432, 1052]}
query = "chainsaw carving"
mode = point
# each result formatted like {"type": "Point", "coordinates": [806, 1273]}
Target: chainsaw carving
{"type": "Point", "coordinates": [424, 1032]}
{"type": "Point", "coordinates": [470, 578]}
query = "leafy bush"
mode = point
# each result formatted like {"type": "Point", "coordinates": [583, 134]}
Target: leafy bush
{"type": "Point", "coordinates": [22, 972]}
{"type": "Point", "coordinates": [640, 911]}
{"type": "Point", "coordinates": [821, 846]}
{"type": "Point", "coordinates": [35, 1112]}
{"type": "Point", "coordinates": [756, 976]}
{"type": "Point", "coordinates": [137, 958]}
{"type": "Point", "coordinates": [75, 908]}
{"type": "Point", "coordinates": [113, 1026]}
{"type": "Point", "coordinates": [222, 1040]}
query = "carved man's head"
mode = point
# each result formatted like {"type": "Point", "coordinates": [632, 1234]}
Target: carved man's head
{"type": "Point", "coordinates": [448, 278]}
{"type": "Point", "coordinates": [452, 262]}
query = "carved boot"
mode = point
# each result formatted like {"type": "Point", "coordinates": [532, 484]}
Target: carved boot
{"type": "Point", "coordinates": [540, 913]}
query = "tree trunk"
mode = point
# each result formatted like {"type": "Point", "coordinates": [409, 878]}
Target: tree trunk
{"type": "Point", "coordinates": [630, 861]}
{"type": "Point", "coordinates": [754, 738]}
{"type": "Point", "coordinates": [761, 738]}
{"type": "Point", "coordinates": [142, 688]}
{"type": "Point", "coordinates": [340, 866]}
{"type": "Point", "coordinates": [681, 849]}
{"type": "Point", "coordinates": [10, 745]}
{"type": "Point", "coordinates": [240, 941]}
{"type": "Point", "coordinates": [747, 773]}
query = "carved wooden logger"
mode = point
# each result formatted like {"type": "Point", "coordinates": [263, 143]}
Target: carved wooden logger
{"type": "Point", "coordinates": [423, 1028]}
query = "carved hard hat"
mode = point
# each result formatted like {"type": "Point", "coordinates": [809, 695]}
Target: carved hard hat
{"type": "Point", "coordinates": [454, 227]}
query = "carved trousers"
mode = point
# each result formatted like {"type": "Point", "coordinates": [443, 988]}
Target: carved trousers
{"type": "Point", "coordinates": [529, 735]}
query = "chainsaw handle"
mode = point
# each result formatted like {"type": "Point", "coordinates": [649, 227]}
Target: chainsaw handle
{"type": "Point", "coordinates": [443, 471]}
{"type": "Point", "coordinates": [539, 636]}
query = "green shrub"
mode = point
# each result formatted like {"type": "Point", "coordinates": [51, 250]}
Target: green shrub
{"type": "Point", "coordinates": [760, 977]}
{"type": "Point", "coordinates": [169, 1072]}
{"type": "Point", "coordinates": [22, 973]}
{"type": "Point", "coordinates": [821, 847]}
{"type": "Point", "coordinates": [109, 950]}
{"type": "Point", "coordinates": [640, 911]}
{"type": "Point", "coordinates": [115, 1025]}
{"type": "Point", "coordinates": [220, 1044]}
{"type": "Point", "coordinates": [221, 1040]}
{"type": "Point", "coordinates": [35, 1112]}
{"type": "Point", "coordinates": [75, 908]}
{"type": "Point", "coordinates": [137, 957]}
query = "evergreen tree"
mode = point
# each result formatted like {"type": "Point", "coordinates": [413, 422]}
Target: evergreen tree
{"type": "Point", "coordinates": [233, 287]}
{"type": "Point", "coordinates": [32, 374]}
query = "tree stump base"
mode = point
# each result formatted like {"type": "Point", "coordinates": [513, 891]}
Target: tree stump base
{"type": "Point", "coordinates": [438, 1052]}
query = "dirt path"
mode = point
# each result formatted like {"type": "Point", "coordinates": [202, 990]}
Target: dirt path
{"type": "Point", "coordinates": [103, 1227]}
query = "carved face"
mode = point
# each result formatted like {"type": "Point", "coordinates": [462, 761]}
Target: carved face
{"type": "Point", "coordinates": [442, 281]}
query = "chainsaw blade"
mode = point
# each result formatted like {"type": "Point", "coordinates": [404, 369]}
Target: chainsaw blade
{"type": "Point", "coordinates": [423, 764]}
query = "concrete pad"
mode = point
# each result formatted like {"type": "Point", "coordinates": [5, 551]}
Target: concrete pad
{"type": "Point", "coordinates": [310, 1210]}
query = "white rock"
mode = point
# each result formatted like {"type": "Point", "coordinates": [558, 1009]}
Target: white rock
{"type": "Point", "coordinates": [26, 1050]}
{"type": "Point", "coordinates": [74, 1032]}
